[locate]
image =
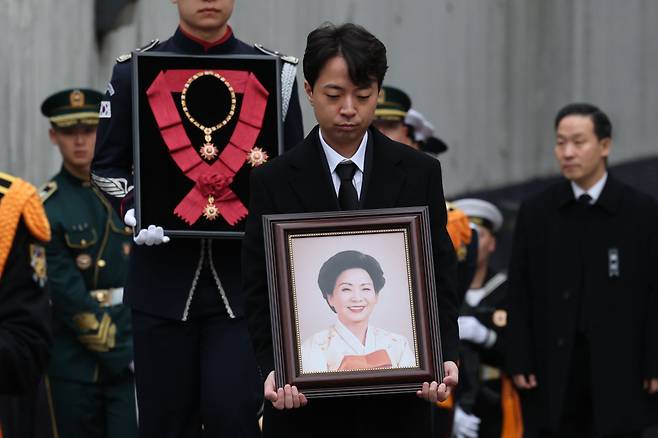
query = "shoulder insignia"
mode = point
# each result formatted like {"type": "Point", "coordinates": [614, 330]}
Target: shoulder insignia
{"type": "Point", "coordinates": [117, 187]}
{"type": "Point", "coordinates": [286, 58]}
{"type": "Point", "coordinates": [123, 58]}
{"type": "Point", "coordinates": [126, 56]}
{"type": "Point", "coordinates": [5, 182]}
{"type": "Point", "coordinates": [47, 190]}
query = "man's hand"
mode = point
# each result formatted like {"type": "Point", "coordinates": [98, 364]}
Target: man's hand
{"type": "Point", "coordinates": [651, 386]}
{"type": "Point", "coordinates": [287, 397]}
{"type": "Point", "coordinates": [522, 382]}
{"type": "Point", "coordinates": [465, 425]}
{"type": "Point", "coordinates": [470, 329]}
{"type": "Point", "coordinates": [433, 392]}
{"type": "Point", "coordinates": [153, 235]}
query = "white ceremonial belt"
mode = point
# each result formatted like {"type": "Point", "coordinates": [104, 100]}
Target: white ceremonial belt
{"type": "Point", "coordinates": [108, 297]}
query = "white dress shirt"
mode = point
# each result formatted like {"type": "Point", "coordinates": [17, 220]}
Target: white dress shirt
{"type": "Point", "coordinates": [594, 192]}
{"type": "Point", "coordinates": [334, 159]}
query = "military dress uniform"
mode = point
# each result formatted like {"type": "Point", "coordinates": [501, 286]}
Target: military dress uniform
{"type": "Point", "coordinates": [25, 335]}
{"type": "Point", "coordinates": [191, 342]}
{"type": "Point", "coordinates": [90, 377]}
{"type": "Point", "coordinates": [484, 363]}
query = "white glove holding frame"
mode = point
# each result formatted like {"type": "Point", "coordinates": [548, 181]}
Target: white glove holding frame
{"type": "Point", "coordinates": [153, 235]}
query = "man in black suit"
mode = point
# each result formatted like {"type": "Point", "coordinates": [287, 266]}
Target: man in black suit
{"type": "Point", "coordinates": [345, 164]}
{"type": "Point", "coordinates": [582, 335]}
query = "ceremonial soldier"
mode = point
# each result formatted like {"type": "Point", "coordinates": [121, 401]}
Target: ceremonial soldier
{"type": "Point", "coordinates": [488, 405]}
{"type": "Point", "coordinates": [192, 346]}
{"type": "Point", "coordinates": [393, 106]}
{"type": "Point", "coordinates": [90, 372]}
{"type": "Point", "coordinates": [25, 336]}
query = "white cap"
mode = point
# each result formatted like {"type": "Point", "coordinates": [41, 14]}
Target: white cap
{"type": "Point", "coordinates": [423, 129]}
{"type": "Point", "coordinates": [481, 212]}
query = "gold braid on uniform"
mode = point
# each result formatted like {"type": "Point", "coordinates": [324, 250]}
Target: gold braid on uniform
{"type": "Point", "coordinates": [21, 198]}
{"type": "Point", "coordinates": [459, 229]}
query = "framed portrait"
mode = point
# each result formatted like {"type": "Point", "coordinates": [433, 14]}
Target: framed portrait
{"type": "Point", "coordinates": [353, 301]}
{"type": "Point", "coordinates": [200, 124]}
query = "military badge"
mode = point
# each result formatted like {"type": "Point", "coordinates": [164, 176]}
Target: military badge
{"type": "Point", "coordinates": [38, 263]}
{"type": "Point", "coordinates": [499, 318]}
{"type": "Point", "coordinates": [126, 248]}
{"type": "Point", "coordinates": [83, 261]}
{"type": "Point", "coordinates": [77, 99]}
{"type": "Point", "coordinates": [256, 157]}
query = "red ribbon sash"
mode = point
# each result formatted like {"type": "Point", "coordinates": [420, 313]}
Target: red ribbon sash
{"type": "Point", "coordinates": [211, 179]}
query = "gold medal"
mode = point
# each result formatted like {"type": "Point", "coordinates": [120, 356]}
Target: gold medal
{"type": "Point", "coordinates": [208, 151]}
{"type": "Point", "coordinates": [256, 157]}
{"type": "Point", "coordinates": [83, 261]}
{"type": "Point", "coordinates": [499, 318]}
{"type": "Point", "coordinates": [211, 212]}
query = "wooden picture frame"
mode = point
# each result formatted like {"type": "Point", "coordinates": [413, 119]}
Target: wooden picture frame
{"type": "Point", "coordinates": [305, 253]}
{"type": "Point", "coordinates": [180, 184]}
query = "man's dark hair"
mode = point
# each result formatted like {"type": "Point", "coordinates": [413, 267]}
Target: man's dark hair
{"type": "Point", "coordinates": [602, 125]}
{"type": "Point", "coordinates": [364, 54]}
{"type": "Point", "coordinates": [344, 260]}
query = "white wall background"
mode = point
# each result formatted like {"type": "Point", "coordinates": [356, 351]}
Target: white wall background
{"type": "Point", "coordinates": [490, 74]}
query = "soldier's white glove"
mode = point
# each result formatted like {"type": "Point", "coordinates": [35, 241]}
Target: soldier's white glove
{"type": "Point", "coordinates": [470, 329]}
{"type": "Point", "coordinates": [465, 425]}
{"type": "Point", "coordinates": [153, 235]}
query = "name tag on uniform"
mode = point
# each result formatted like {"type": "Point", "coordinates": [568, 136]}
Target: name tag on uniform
{"type": "Point", "coordinates": [613, 262]}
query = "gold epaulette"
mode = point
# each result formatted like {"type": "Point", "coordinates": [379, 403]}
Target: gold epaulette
{"type": "Point", "coordinates": [20, 198]}
{"type": "Point", "coordinates": [126, 56]}
{"type": "Point", "coordinates": [286, 58]}
{"type": "Point", "coordinates": [460, 232]}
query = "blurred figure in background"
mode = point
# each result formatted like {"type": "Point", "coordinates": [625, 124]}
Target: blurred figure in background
{"type": "Point", "coordinates": [488, 406]}
{"type": "Point", "coordinates": [90, 373]}
{"type": "Point", "coordinates": [25, 335]}
{"type": "Point", "coordinates": [582, 335]}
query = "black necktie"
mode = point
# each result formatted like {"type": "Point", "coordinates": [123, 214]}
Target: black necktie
{"type": "Point", "coordinates": [347, 197]}
{"type": "Point", "coordinates": [585, 200]}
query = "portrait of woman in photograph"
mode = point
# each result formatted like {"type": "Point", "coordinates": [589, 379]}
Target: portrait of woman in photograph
{"type": "Point", "coordinates": [350, 282]}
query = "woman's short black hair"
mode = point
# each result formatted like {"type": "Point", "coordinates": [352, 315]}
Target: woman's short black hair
{"type": "Point", "coordinates": [343, 261]}
{"type": "Point", "coordinates": [364, 54]}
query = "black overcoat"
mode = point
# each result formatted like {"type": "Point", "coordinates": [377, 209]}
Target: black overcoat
{"type": "Point", "coordinates": [299, 181]}
{"type": "Point", "coordinates": [561, 258]}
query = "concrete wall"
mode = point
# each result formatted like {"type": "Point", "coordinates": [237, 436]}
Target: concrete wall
{"type": "Point", "coordinates": [490, 74]}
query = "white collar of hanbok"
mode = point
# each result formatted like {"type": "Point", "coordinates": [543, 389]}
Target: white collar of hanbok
{"type": "Point", "coordinates": [353, 341]}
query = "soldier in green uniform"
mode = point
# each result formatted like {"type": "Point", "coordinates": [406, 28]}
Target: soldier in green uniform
{"type": "Point", "coordinates": [91, 371]}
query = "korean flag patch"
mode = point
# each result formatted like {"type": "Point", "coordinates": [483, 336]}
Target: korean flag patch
{"type": "Point", "coordinates": [106, 110]}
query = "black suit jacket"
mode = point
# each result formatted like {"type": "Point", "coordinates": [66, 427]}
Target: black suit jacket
{"type": "Point", "coordinates": [299, 181]}
{"type": "Point", "coordinates": [560, 258]}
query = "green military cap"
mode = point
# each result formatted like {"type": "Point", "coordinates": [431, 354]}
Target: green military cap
{"type": "Point", "coordinates": [392, 104]}
{"type": "Point", "coordinates": [72, 107]}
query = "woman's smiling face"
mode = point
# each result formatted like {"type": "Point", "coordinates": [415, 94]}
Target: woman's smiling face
{"type": "Point", "coordinates": [354, 296]}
